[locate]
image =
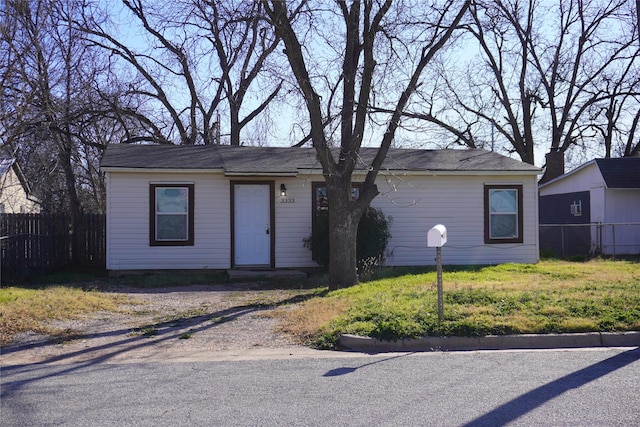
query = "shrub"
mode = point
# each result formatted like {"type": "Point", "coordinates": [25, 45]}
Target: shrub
{"type": "Point", "coordinates": [371, 244]}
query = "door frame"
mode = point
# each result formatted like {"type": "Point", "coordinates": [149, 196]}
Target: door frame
{"type": "Point", "coordinates": [272, 221]}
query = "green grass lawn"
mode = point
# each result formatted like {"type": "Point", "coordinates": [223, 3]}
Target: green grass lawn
{"type": "Point", "coordinates": [549, 297]}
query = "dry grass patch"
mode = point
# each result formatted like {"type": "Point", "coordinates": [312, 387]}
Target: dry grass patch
{"type": "Point", "coordinates": [24, 310]}
{"type": "Point", "coordinates": [309, 319]}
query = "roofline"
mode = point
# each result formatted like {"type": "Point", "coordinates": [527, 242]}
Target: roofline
{"type": "Point", "coordinates": [173, 170]}
{"type": "Point", "coordinates": [274, 174]}
{"type": "Point", "coordinates": [571, 172]}
{"type": "Point", "coordinates": [157, 170]}
{"type": "Point", "coordinates": [20, 175]}
{"type": "Point", "coordinates": [440, 172]}
{"type": "Point", "coordinates": [319, 172]}
{"type": "Point", "coordinates": [34, 199]}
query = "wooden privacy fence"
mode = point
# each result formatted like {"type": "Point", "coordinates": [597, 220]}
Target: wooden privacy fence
{"type": "Point", "coordinates": [41, 243]}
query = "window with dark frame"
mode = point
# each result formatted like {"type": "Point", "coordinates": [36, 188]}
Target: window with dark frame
{"type": "Point", "coordinates": [503, 222]}
{"type": "Point", "coordinates": [320, 204]}
{"type": "Point", "coordinates": [320, 201]}
{"type": "Point", "coordinates": [171, 215]}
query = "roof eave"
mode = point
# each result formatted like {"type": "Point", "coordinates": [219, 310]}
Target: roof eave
{"type": "Point", "coordinates": [274, 174]}
{"type": "Point", "coordinates": [157, 170]}
{"type": "Point", "coordinates": [571, 172]}
{"type": "Point", "coordinates": [528, 172]}
{"type": "Point", "coordinates": [439, 172]}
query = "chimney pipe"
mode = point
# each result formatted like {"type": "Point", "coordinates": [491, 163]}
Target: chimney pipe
{"type": "Point", "coordinates": [554, 167]}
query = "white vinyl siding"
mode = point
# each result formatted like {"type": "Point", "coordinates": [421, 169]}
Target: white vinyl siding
{"type": "Point", "coordinates": [128, 223]}
{"type": "Point", "coordinates": [416, 203]}
{"type": "Point", "coordinates": [622, 207]}
{"type": "Point", "coordinates": [293, 223]}
{"type": "Point", "coordinates": [419, 203]}
{"type": "Point", "coordinates": [582, 178]}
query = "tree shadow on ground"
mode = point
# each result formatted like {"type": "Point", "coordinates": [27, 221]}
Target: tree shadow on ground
{"type": "Point", "coordinates": [136, 339]}
{"type": "Point", "coordinates": [516, 408]}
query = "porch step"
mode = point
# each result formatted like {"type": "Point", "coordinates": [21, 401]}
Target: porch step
{"type": "Point", "coordinates": [270, 274]}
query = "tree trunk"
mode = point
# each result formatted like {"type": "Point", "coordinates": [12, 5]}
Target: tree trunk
{"type": "Point", "coordinates": [235, 125]}
{"type": "Point", "coordinates": [343, 230]}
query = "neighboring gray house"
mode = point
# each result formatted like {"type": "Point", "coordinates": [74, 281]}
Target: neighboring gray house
{"type": "Point", "coordinates": [598, 206]}
{"type": "Point", "coordinates": [15, 196]}
{"type": "Point", "coordinates": [221, 207]}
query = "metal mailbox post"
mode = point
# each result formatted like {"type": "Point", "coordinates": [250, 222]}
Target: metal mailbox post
{"type": "Point", "coordinates": [437, 237]}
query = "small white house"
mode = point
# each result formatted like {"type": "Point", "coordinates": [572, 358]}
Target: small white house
{"type": "Point", "coordinates": [222, 207]}
{"type": "Point", "coordinates": [15, 195]}
{"type": "Point", "coordinates": [594, 208]}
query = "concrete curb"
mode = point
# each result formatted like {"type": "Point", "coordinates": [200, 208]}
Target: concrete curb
{"type": "Point", "coordinates": [493, 342]}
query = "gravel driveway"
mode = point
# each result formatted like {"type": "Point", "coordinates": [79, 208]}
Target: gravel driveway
{"type": "Point", "coordinates": [165, 323]}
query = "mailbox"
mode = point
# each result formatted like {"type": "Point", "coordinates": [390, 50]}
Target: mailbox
{"type": "Point", "coordinates": [437, 236]}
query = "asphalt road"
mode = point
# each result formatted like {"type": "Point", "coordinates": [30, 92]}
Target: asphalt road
{"type": "Point", "coordinates": [587, 387]}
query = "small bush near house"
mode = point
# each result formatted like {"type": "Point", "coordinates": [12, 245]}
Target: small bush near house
{"type": "Point", "coordinates": [373, 237]}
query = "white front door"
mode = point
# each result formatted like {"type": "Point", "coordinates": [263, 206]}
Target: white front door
{"type": "Point", "coordinates": [252, 225]}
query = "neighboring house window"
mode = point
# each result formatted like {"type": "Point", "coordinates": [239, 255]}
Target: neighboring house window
{"type": "Point", "coordinates": [171, 215]}
{"type": "Point", "coordinates": [576, 208]}
{"type": "Point", "coordinates": [503, 213]}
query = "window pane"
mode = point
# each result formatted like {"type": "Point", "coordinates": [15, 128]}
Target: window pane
{"type": "Point", "coordinates": [171, 227]}
{"type": "Point", "coordinates": [321, 199]}
{"type": "Point", "coordinates": [322, 203]}
{"type": "Point", "coordinates": [172, 199]}
{"type": "Point", "coordinates": [503, 200]}
{"type": "Point", "coordinates": [504, 226]}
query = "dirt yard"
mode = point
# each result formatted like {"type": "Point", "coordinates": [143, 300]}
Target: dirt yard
{"type": "Point", "coordinates": [165, 323]}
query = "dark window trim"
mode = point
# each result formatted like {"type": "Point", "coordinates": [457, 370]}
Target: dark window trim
{"type": "Point", "coordinates": [519, 238]}
{"type": "Point", "coordinates": [314, 187]}
{"type": "Point", "coordinates": [321, 184]}
{"type": "Point", "coordinates": [190, 216]}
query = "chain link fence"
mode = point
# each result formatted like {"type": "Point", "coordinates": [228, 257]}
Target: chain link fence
{"type": "Point", "coordinates": [610, 239]}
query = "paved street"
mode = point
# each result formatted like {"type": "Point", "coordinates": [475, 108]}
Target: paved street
{"type": "Point", "coordinates": [589, 387]}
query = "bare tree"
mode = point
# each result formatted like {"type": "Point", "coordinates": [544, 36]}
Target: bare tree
{"type": "Point", "coordinates": [55, 111]}
{"type": "Point", "coordinates": [616, 119]}
{"type": "Point", "coordinates": [542, 70]}
{"type": "Point", "coordinates": [197, 56]}
{"type": "Point", "coordinates": [45, 63]}
{"type": "Point", "coordinates": [11, 86]}
{"type": "Point", "coordinates": [243, 42]}
{"type": "Point", "coordinates": [360, 44]}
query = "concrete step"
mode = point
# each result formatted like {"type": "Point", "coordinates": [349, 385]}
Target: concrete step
{"type": "Point", "coordinates": [269, 274]}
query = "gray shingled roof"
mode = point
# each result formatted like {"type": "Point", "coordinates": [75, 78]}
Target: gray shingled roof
{"type": "Point", "coordinates": [620, 172]}
{"type": "Point", "coordinates": [283, 160]}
